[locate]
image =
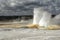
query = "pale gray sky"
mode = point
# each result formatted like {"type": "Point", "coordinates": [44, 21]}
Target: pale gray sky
{"type": "Point", "coordinates": [20, 7]}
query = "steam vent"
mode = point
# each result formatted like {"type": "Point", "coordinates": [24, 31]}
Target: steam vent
{"type": "Point", "coordinates": [42, 17]}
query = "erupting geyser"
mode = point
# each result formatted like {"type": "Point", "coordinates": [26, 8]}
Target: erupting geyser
{"type": "Point", "coordinates": [43, 17]}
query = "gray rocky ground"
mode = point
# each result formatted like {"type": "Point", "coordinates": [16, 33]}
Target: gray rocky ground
{"type": "Point", "coordinates": [28, 34]}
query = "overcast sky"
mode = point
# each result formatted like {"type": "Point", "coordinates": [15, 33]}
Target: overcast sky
{"type": "Point", "coordinates": [19, 7]}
